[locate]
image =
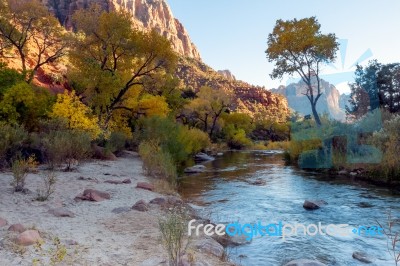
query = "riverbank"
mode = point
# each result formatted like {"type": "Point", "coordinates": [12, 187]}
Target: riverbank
{"type": "Point", "coordinates": [82, 232]}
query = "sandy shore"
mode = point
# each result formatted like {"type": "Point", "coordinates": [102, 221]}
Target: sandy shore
{"type": "Point", "coordinates": [100, 233]}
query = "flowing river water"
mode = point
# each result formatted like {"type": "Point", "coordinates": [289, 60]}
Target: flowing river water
{"type": "Point", "coordinates": [226, 193]}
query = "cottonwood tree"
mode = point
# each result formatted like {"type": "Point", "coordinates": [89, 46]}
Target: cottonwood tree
{"type": "Point", "coordinates": [375, 86]}
{"type": "Point", "coordinates": [298, 46]}
{"type": "Point", "coordinates": [111, 61]}
{"type": "Point", "coordinates": [28, 28]}
{"type": "Point", "coordinates": [208, 107]}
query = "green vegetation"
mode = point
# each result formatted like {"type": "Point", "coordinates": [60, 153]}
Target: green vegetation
{"type": "Point", "coordinates": [121, 91]}
{"type": "Point", "coordinates": [173, 230]}
{"type": "Point", "coordinates": [20, 168]}
{"type": "Point", "coordinates": [298, 46]}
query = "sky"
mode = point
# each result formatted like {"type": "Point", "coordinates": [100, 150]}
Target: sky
{"type": "Point", "coordinates": [232, 34]}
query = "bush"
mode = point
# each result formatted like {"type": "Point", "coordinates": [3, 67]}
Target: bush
{"type": "Point", "coordinates": [25, 105]}
{"type": "Point", "coordinates": [173, 228]}
{"type": "Point", "coordinates": [157, 162]}
{"type": "Point", "coordinates": [388, 141]}
{"type": "Point", "coordinates": [165, 132]}
{"type": "Point", "coordinates": [236, 138]}
{"type": "Point", "coordinates": [296, 148]}
{"type": "Point", "coordinates": [12, 139]}
{"type": "Point", "coordinates": [8, 78]}
{"type": "Point", "coordinates": [179, 141]}
{"type": "Point", "coordinates": [278, 145]}
{"type": "Point", "coordinates": [47, 189]}
{"type": "Point", "coordinates": [78, 115]}
{"type": "Point", "coordinates": [116, 142]}
{"type": "Point", "coordinates": [66, 146]}
{"type": "Point", "coordinates": [194, 140]}
{"type": "Point", "coordinates": [20, 168]}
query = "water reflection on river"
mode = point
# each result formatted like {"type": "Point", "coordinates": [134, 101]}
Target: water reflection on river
{"type": "Point", "coordinates": [226, 194]}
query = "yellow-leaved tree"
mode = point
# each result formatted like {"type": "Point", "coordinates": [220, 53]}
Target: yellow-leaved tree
{"type": "Point", "coordinates": [78, 115]}
{"type": "Point", "coordinates": [151, 105]}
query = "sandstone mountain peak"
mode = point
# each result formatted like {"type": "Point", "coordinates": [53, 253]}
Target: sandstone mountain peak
{"type": "Point", "coordinates": [147, 14]}
{"type": "Point", "coordinates": [331, 102]}
{"type": "Point", "coordinates": [227, 74]}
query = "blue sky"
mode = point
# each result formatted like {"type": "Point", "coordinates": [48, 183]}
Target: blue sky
{"type": "Point", "coordinates": [232, 34]}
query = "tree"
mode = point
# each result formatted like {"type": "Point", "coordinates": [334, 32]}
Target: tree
{"type": "Point", "coordinates": [8, 78]}
{"type": "Point", "coordinates": [376, 86]}
{"type": "Point", "coordinates": [110, 60]}
{"type": "Point", "coordinates": [25, 104]}
{"type": "Point", "coordinates": [77, 115]}
{"type": "Point", "coordinates": [28, 26]}
{"type": "Point", "coordinates": [208, 107]}
{"type": "Point", "coordinates": [298, 46]}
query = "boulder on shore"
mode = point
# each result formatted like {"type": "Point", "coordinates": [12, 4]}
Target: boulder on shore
{"type": "Point", "coordinates": [19, 228]}
{"type": "Point", "coordinates": [145, 185]}
{"type": "Point", "coordinates": [61, 212]}
{"type": "Point", "coordinates": [118, 182]}
{"type": "Point", "coordinates": [28, 238]}
{"type": "Point", "coordinates": [93, 195]}
{"type": "Point", "coordinates": [141, 206]}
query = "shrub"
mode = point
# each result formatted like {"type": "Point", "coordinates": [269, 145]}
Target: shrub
{"type": "Point", "coordinates": [236, 138]}
{"type": "Point", "coordinates": [296, 148]}
{"type": "Point", "coordinates": [388, 141]}
{"type": "Point", "coordinates": [47, 189]}
{"type": "Point", "coordinates": [24, 104]}
{"type": "Point", "coordinates": [194, 140]}
{"type": "Point", "coordinates": [116, 142]}
{"type": "Point", "coordinates": [20, 168]}
{"type": "Point", "coordinates": [173, 229]}
{"type": "Point", "coordinates": [157, 162]}
{"type": "Point", "coordinates": [8, 78]}
{"type": "Point", "coordinates": [166, 133]}
{"type": "Point", "coordinates": [278, 145]}
{"type": "Point", "coordinates": [66, 146]}
{"type": "Point", "coordinates": [12, 139]}
{"type": "Point", "coordinates": [76, 113]}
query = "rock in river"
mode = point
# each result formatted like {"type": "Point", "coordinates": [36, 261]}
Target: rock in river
{"type": "Point", "coordinates": [313, 204]}
{"type": "Point", "coordinates": [195, 169]}
{"type": "Point", "coordinates": [305, 262]}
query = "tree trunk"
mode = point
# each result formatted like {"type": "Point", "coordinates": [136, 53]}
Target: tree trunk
{"type": "Point", "coordinates": [206, 124]}
{"type": "Point", "coordinates": [315, 114]}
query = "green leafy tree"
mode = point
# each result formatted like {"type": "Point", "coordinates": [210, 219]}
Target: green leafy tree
{"type": "Point", "coordinates": [376, 85]}
{"type": "Point", "coordinates": [208, 107]}
{"type": "Point", "coordinates": [24, 104]}
{"type": "Point", "coordinates": [298, 46]}
{"type": "Point", "coordinates": [27, 26]}
{"type": "Point", "coordinates": [111, 60]}
{"type": "Point", "coordinates": [8, 78]}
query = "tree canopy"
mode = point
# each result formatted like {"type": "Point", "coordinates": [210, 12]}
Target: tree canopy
{"type": "Point", "coordinates": [27, 26]}
{"type": "Point", "coordinates": [376, 86]}
{"type": "Point", "coordinates": [298, 46]}
{"type": "Point", "coordinates": [111, 59]}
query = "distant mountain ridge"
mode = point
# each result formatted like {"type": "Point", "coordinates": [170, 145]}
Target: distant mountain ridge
{"type": "Point", "coordinates": [331, 101]}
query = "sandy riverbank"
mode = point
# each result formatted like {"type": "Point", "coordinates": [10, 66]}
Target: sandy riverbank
{"type": "Point", "coordinates": [100, 233]}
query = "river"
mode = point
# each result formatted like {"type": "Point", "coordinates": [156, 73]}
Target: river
{"type": "Point", "coordinates": [226, 193]}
